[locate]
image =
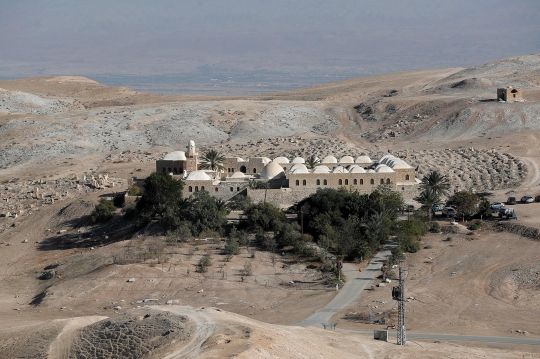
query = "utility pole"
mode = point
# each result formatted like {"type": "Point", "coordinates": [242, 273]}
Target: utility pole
{"type": "Point", "coordinates": [398, 293]}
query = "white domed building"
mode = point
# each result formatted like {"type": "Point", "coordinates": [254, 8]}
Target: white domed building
{"type": "Point", "coordinates": [288, 182]}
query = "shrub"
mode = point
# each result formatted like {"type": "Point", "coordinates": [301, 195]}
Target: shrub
{"type": "Point", "coordinates": [134, 191]}
{"type": "Point", "coordinates": [204, 263]}
{"type": "Point", "coordinates": [103, 212]}
{"type": "Point", "coordinates": [232, 247]}
{"type": "Point", "coordinates": [475, 226]}
{"type": "Point", "coordinates": [448, 239]}
{"type": "Point", "coordinates": [434, 227]}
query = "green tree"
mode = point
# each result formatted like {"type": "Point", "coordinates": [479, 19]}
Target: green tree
{"type": "Point", "coordinates": [484, 209]}
{"type": "Point", "coordinates": [312, 162]}
{"type": "Point", "coordinates": [212, 160]}
{"type": "Point", "coordinates": [429, 199]}
{"type": "Point", "coordinates": [103, 211]}
{"type": "Point", "coordinates": [266, 216]}
{"type": "Point", "coordinates": [465, 203]}
{"type": "Point", "coordinates": [203, 212]}
{"type": "Point", "coordinates": [437, 183]}
{"type": "Point", "coordinates": [162, 195]}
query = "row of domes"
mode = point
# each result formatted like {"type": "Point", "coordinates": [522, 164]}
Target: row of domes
{"type": "Point", "coordinates": [328, 159]}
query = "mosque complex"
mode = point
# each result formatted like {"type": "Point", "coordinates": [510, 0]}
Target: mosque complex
{"type": "Point", "coordinates": [285, 181]}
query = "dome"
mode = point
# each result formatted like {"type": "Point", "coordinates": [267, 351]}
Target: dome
{"type": "Point", "coordinates": [340, 169]}
{"type": "Point", "coordinates": [363, 159]}
{"type": "Point", "coordinates": [239, 159]}
{"type": "Point", "coordinates": [321, 169]}
{"type": "Point", "coordinates": [370, 171]}
{"type": "Point", "coordinates": [357, 169]}
{"type": "Point", "coordinates": [329, 159]}
{"type": "Point", "coordinates": [401, 165]}
{"type": "Point", "coordinates": [346, 160]}
{"type": "Point", "coordinates": [383, 169]}
{"type": "Point", "coordinates": [175, 156]}
{"type": "Point", "coordinates": [271, 171]}
{"type": "Point", "coordinates": [198, 176]}
{"type": "Point", "coordinates": [266, 160]}
{"type": "Point", "coordinates": [384, 159]}
{"type": "Point", "coordinates": [237, 175]}
{"type": "Point", "coordinates": [191, 143]}
{"type": "Point", "coordinates": [299, 170]}
{"type": "Point", "coordinates": [279, 160]}
{"type": "Point", "coordinates": [298, 160]}
{"type": "Point", "coordinates": [298, 166]}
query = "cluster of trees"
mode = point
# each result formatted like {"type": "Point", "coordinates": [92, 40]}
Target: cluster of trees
{"type": "Point", "coordinates": [435, 186]}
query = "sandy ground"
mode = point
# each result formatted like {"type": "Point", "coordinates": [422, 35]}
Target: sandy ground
{"type": "Point", "coordinates": [53, 130]}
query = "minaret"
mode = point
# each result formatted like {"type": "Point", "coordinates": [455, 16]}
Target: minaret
{"type": "Point", "coordinates": [192, 152]}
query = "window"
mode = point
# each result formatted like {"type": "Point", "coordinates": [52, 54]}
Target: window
{"type": "Point", "coordinates": [190, 189]}
{"type": "Point", "coordinates": [232, 189]}
{"type": "Point", "coordinates": [346, 182]}
{"type": "Point", "coordinates": [202, 188]}
{"type": "Point", "coordinates": [388, 181]}
{"type": "Point", "coordinates": [372, 181]}
{"type": "Point", "coordinates": [318, 182]}
{"type": "Point", "coordinates": [304, 182]}
{"type": "Point", "coordinates": [237, 189]}
{"type": "Point", "coordinates": [215, 189]}
{"type": "Point", "coordinates": [254, 170]}
{"type": "Point", "coordinates": [361, 181]}
{"type": "Point", "coordinates": [196, 188]}
{"type": "Point", "coordinates": [170, 170]}
{"type": "Point", "coordinates": [340, 182]}
{"type": "Point", "coordinates": [325, 182]}
{"type": "Point", "coordinates": [355, 181]}
{"type": "Point", "coordinates": [298, 182]}
{"type": "Point", "coordinates": [164, 170]}
{"type": "Point", "coordinates": [382, 180]}
{"type": "Point", "coordinates": [243, 169]}
{"type": "Point", "coordinates": [175, 170]}
{"type": "Point", "coordinates": [407, 177]}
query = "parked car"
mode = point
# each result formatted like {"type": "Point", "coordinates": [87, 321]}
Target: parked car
{"type": "Point", "coordinates": [527, 199]}
{"type": "Point", "coordinates": [511, 200]}
{"type": "Point", "coordinates": [496, 205]}
{"type": "Point", "coordinates": [449, 212]}
{"type": "Point", "coordinates": [537, 198]}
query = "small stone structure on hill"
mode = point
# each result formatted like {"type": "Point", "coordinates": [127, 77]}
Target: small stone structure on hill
{"type": "Point", "coordinates": [509, 94]}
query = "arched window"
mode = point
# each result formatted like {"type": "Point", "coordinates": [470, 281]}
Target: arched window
{"type": "Point", "coordinates": [190, 189]}
{"type": "Point", "coordinates": [382, 180]}
{"type": "Point", "coordinates": [346, 182]}
{"type": "Point", "coordinates": [237, 189]}
{"type": "Point", "coordinates": [170, 170]}
{"type": "Point", "coordinates": [232, 189]}
{"type": "Point", "coordinates": [243, 169]}
{"type": "Point", "coordinates": [175, 170]}
{"type": "Point", "coordinates": [361, 181]}
{"type": "Point", "coordinates": [304, 182]}
{"type": "Point", "coordinates": [407, 177]}
{"type": "Point", "coordinates": [355, 181]}
{"type": "Point", "coordinates": [164, 170]}
{"type": "Point", "coordinates": [388, 181]}
{"type": "Point", "coordinates": [254, 170]}
{"type": "Point", "coordinates": [196, 188]}
{"type": "Point", "coordinates": [202, 188]}
{"type": "Point", "coordinates": [372, 181]}
{"type": "Point", "coordinates": [340, 182]}
{"type": "Point", "coordinates": [216, 189]}
{"type": "Point", "coordinates": [325, 182]}
{"type": "Point", "coordinates": [318, 182]}
{"type": "Point", "coordinates": [298, 182]}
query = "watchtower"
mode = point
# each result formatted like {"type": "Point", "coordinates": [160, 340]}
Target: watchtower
{"type": "Point", "coordinates": [192, 161]}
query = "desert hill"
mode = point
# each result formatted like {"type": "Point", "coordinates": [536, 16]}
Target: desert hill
{"type": "Point", "coordinates": [62, 278]}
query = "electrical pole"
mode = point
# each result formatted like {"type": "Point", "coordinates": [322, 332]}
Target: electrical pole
{"type": "Point", "coordinates": [398, 293]}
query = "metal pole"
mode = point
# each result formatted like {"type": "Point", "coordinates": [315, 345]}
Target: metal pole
{"type": "Point", "coordinates": [401, 330]}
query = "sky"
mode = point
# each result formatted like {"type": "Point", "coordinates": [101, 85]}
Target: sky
{"type": "Point", "coordinates": [276, 38]}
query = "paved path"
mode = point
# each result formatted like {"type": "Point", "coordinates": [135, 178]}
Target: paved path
{"type": "Point", "coordinates": [356, 283]}
{"type": "Point", "coordinates": [456, 337]}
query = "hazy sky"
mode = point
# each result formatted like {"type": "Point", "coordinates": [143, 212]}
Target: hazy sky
{"type": "Point", "coordinates": [40, 37]}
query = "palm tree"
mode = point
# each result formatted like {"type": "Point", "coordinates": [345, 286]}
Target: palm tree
{"type": "Point", "coordinates": [312, 162]}
{"type": "Point", "coordinates": [436, 182]}
{"type": "Point", "coordinates": [213, 160]}
{"type": "Point", "coordinates": [429, 199]}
